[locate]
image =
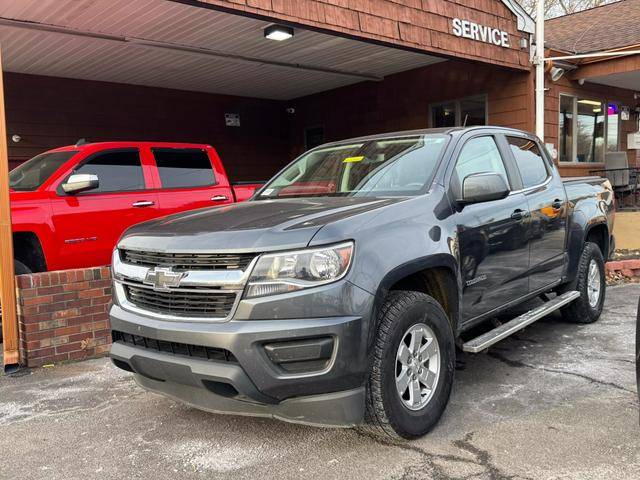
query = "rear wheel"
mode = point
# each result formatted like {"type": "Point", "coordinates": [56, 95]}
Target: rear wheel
{"type": "Point", "coordinates": [413, 367]}
{"type": "Point", "coordinates": [591, 284]}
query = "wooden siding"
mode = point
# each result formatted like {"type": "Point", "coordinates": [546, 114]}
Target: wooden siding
{"type": "Point", "coordinates": [49, 112]}
{"type": "Point", "coordinates": [417, 24]}
{"type": "Point", "coordinates": [401, 101]}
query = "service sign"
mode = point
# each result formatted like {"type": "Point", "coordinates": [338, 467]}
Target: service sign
{"type": "Point", "coordinates": [480, 33]}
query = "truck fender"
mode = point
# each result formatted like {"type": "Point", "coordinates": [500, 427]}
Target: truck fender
{"type": "Point", "coordinates": [391, 278]}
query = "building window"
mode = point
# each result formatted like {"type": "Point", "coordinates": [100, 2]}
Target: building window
{"type": "Point", "coordinates": [462, 112]}
{"type": "Point", "coordinates": [587, 127]}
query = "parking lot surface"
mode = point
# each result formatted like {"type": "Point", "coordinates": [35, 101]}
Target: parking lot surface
{"type": "Point", "coordinates": [556, 401]}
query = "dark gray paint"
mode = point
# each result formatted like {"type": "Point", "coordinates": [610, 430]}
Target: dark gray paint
{"type": "Point", "coordinates": [519, 247]}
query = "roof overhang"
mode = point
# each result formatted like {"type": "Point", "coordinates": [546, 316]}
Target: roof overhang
{"type": "Point", "coordinates": [525, 22]}
{"type": "Point", "coordinates": [621, 71]}
{"type": "Point", "coordinates": [181, 46]}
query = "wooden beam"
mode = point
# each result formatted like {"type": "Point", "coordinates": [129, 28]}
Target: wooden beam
{"type": "Point", "coordinates": [606, 67]}
{"type": "Point", "coordinates": [7, 277]}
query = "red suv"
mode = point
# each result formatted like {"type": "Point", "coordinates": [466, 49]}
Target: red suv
{"type": "Point", "coordinates": [70, 205]}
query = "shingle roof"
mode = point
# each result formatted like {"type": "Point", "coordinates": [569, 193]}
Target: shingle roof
{"type": "Point", "coordinates": [610, 26]}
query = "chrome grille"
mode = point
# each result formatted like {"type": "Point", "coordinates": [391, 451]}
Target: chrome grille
{"type": "Point", "coordinates": [202, 302]}
{"type": "Point", "coordinates": [188, 261]}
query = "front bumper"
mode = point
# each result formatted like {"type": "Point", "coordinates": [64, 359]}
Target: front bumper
{"type": "Point", "coordinates": [185, 380]}
{"type": "Point", "coordinates": [250, 381]}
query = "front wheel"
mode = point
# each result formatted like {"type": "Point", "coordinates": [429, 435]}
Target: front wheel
{"type": "Point", "coordinates": [413, 367]}
{"type": "Point", "coordinates": [591, 284]}
{"type": "Point", "coordinates": [20, 268]}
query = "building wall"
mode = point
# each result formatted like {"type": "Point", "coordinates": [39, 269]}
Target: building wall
{"type": "Point", "coordinates": [418, 24]}
{"type": "Point", "coordinates": [603, 92]}
{"type": "Point", "coordinates": [49, 112]}
{"type": "Point", "coordinates": [401, 101]}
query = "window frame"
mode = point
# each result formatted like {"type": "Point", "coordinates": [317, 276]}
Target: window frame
{"type": "Point", "coordinates": [605, 135]}
{"type": "Point", "coordinates": [458, 110]}
{"type": "Point", "coordinates": [514, 181]}
{"type": "Point", "coordinates": [545, 162]}
{"type": "Point", "coordinates": [61, 193]}
{"type": "Point", "coordinates": [161, 187]}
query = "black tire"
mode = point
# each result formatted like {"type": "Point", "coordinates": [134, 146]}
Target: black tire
{"type": "Point", "coordinates": [20, 268]}
{"type": "Point", "coordinates": [386, 415]}
{"type": "Point", "coordinates": [580, 310]}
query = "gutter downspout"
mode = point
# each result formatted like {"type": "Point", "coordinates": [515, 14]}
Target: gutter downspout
{"type": "Point", "coordinates": [538, 61]}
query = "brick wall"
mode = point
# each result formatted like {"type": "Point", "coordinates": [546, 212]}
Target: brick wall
{"type": "Point", "coordinates": [63, 315]}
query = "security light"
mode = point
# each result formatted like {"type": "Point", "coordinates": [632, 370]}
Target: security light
{"type": "Point", "coordinates": [278, 32]}
{"type": "Point", "coordinates": [556, 73]}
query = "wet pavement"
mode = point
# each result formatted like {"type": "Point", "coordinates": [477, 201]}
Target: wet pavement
{"type": "Point", "coordinates": [556, 401]}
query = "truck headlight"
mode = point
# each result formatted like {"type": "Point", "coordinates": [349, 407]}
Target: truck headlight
{"type": "Point", "coordinates": [284, 272]}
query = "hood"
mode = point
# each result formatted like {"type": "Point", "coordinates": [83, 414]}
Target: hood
{"type": "Point", "coordinates": [255, 226]}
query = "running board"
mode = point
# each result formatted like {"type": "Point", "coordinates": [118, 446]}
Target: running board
{"type": "Point", "coordinates": [485, 340]}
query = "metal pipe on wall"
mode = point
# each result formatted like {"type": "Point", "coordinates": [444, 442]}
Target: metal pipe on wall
{"type": "Point", "coordinates": [7, 277]}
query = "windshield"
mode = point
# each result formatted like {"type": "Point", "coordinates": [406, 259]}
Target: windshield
{"type": "Point", "coordinates": [33, 173]}
{"type": "Point", "coordinates": [386, 166]}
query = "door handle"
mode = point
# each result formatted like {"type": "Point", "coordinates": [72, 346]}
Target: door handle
{"type": "Point", "coordinates": [219, 198]}
{"type": "Point", "coordinates": [518, 214]}
{"type": "Point", "coordinates": [557, 204]}
{"type": "Point", "coordinates": [143, 203]}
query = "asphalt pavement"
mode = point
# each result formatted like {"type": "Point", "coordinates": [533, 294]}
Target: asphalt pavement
{"type": "Point", "coordinates": [556, 401]}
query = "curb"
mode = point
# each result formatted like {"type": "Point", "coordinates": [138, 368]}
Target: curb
{"type": "Point", "coordinates": [626, 268]}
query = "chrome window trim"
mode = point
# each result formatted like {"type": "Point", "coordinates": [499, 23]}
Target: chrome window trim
{"type": "Point", "coordinates": [535, 187]}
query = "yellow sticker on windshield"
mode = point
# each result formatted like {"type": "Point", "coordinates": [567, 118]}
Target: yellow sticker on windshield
{"type": "Point", "coordinates": [353, 159]}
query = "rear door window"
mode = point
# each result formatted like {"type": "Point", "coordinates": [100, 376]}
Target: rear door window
{"type": "Point", "coordinates": [184, 167]}
{"type": "Point", "coordinates": [529, 160]}
{"type": "Point", "coordinates": [117, 171]}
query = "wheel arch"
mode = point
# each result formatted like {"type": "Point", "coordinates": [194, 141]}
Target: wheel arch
{"type": "Point", "coordinates": [27, 248]}
{"type": "Point", "coordinates": [436, 275]}
{"type": "Point", "coordinates": [599, 234]}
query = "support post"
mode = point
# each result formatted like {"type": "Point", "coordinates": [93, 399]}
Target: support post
{"type": "Point", "coordinates": [539, 63]}
{"type": "Point", "coordinates": [7, 278]}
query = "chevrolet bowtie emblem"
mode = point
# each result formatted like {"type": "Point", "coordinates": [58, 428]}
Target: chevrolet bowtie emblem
{"type": "Point", "coordinates": [163, 278]}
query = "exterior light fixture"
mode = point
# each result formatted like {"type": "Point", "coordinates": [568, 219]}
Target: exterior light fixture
{"type": "Point", "coordinates": [556, 73]}
{"type": "Point", "coordinates": [16, 138]}
{"type": "Point", "coordinates": [278, 32]}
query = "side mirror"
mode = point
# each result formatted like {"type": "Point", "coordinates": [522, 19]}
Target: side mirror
{"type": "Point", "coordinates": [80, 182]}
{"type": "Point", "coordinates": [483, 187]}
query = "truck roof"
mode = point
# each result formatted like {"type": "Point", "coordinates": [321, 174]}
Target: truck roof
{"type": "Point", "coordinates": [127, 144]}
{"type": "Point", "coordinates": [429, 131]}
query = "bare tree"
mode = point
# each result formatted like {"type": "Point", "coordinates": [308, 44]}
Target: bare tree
{"type": "Point", "coordinates": [556, 8]}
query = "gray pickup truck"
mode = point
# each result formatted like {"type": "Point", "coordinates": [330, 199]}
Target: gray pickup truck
{"type": "Point", "coordinates": [339, 294]}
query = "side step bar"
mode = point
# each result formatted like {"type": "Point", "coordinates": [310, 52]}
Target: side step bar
{"type": "Point", "coordinates": [485, 340]}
